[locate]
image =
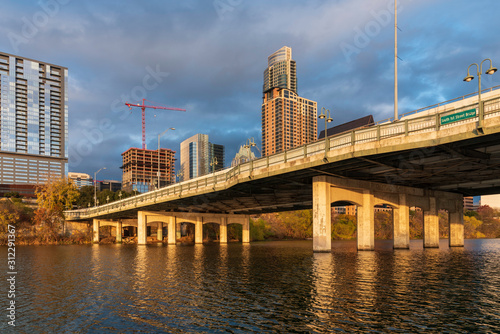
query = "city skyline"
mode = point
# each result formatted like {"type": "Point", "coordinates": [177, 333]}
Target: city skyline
{"type": "Point", "coordinates": [193, 55]}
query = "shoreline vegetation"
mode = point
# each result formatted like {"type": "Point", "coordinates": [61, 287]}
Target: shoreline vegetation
{"type": "Point", "coordinates": [42, 222]}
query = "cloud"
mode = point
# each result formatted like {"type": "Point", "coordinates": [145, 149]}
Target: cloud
{"type": "Point", "coordinates": [215, 58]}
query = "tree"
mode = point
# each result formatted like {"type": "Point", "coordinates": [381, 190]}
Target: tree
{"type": "Point", "coordinates": [471, 225]}
{"type": "Point", "coordinates": [343, 227]}
{"type": "Point", "coordinates": [53, 197]}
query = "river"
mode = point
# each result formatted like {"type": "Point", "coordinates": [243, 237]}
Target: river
{"type": "Point", "coordinates": [260, 287]}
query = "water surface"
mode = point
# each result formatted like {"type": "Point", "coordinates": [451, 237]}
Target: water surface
{"type": "Point", "coordinates": [261, 287]}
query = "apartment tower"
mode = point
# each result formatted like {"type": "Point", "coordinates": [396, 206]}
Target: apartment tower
{"type": "Point", "coordinates": [33, 123]}
{"type": "Point", "coordinates": [288, 120]}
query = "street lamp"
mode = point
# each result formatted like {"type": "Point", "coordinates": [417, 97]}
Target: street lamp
{"type": "Point", "coordinates": [470, 77]}
{"type": "Point", "coordinates": [159, 173]}
{"type": "Point", "coordinates": [179, 175]}
{"type": "Point", "coordinates": [325, 114]}
{"type": "Point", "coordinates": [214, 163]}
{"type": "Point", "coordinates": [95, 185]}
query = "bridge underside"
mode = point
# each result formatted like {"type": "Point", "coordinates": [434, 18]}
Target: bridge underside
{"type": "Point", "coordinates": [469, 167]}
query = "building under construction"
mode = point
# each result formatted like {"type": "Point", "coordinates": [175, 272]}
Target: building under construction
{"type": "Point", "coordinates": [141, 167]}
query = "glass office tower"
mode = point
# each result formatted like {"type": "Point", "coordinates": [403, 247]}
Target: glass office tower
{"type": "Point", "coordinates": [33, 123]}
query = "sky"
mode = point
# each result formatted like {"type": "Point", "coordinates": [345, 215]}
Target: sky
{"type": "Point", "coordinates": [208, 57]}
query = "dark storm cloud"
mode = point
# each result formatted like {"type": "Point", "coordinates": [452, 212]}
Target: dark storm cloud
{"type": "Point", "coordinates": [209, 56]}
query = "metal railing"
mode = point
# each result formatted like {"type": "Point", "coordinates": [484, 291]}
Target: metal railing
{"type": "Point", "coordinates": [228, 176]}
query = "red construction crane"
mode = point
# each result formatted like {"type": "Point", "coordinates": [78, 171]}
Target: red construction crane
{"type": "Point", "coordinates": [143, 106]}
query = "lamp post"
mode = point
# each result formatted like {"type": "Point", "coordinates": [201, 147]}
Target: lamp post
{"type": "Point", "coordinates": [213, 163]}
{"type": "Point", "coordinates": [470, 77]}
{"type": "Point", "coordinates": [179, 175]}
{"type": "Point", "coordinates": [325, 114]}
{"type": "Point", "coordinates": [95, 185]}
{"type": "Point", "coordinates": [159, 173]}
{"type": "Point", "coordinates": [249, 144]}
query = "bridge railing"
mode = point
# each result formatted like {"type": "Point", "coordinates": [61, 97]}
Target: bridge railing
{"type": "Point", "coordinates": [402, 127]}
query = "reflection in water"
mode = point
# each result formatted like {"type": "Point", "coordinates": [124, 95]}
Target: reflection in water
{"type": "Point", "coordinates": [266, 286]}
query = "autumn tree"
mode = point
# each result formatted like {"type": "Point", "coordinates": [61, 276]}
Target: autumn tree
{"type": "Point", "coordinates": [53, 197]}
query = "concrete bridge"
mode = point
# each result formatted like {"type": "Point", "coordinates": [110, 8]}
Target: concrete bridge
{"type": "Point", "coordinates": [429, 159]}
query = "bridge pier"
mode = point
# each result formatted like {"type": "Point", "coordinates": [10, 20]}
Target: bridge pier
{"type": "Point", "coordinates": [246, 231]}
{"type": "Point", "coordinates": [456, 236]}
{"type": "Point", "coordinates": [119, 232]}
{"type": "Point", "coordinates": [159, 233]}
{"type": "Point", "coordinates": [198, 231]}
{"type": "Point", "coordinates": [401, 216]}
{"type": "Point", "coordinates": [141, 228]}
{"type": "Point", "coordinates": [365, 195]}
{"type": "Point", "coordinates": [95, 231]}
{"type": "Point", "coordinates": [322, 215]}
{"type": "Point", "coordinates": [171, 230]}
{"type": "Point", "coordinates": [366, 223]}
{"type": "Point", "coordinates": [431, 225]}
{"type": "Point", "coordinates": [223, 231]}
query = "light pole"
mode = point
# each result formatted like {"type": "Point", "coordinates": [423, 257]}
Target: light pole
{"type": "Point", "coordinates": [95, 185]}
{"type": "Point", "coordinates": [213, 163]}
{"type": "Point", "coordinates": [159, 173]}
{"type": "Point", "coordinates": [469, 78]}
{"type": "Point", "coordinates": [249, 144]}
{"type": "Point", "coordinates": [325, 114]}
{"type": "Point", "coordinates": [179, 175]}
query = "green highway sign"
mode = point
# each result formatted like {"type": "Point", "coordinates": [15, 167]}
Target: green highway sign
{"type": "Point", "coordinates": [460, 116]}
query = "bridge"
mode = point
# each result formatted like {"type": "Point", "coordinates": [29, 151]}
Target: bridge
{"type": "Point", "coordinates": [430, 159]}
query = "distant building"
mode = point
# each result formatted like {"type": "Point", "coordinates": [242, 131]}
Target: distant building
{"type": "Point", "coordinates": [242, 156]}
{"type": "Point", "coordinates": [492, 201]}
{"type": "Point", "coordinates": [81, 179]}
{"type": "Point", "coordinates": [200, 157]}
{"type": "Point", "coordinates": [288, 120]}
{"type": "Point", "coordinates": [34, 123]}
{"type": "Point", "coordinates": [468, 203]}
{"type": "Point", "coordinates": [111, 185]}
{"type": "Point", "coordinates": [355, 124]}
{"type": "Point", "coordinates": [141, 167]}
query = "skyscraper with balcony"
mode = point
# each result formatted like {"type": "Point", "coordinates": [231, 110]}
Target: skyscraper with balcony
{"type": "Point", "coordinates": [288, 120]}
{"type": "Point", "coordinates": [33, 123]}
{"type": "Point", "coordinates": [200, 157]}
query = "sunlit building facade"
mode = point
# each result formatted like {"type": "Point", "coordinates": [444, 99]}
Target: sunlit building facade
{"type": "Point", "coordinates": [81, 179]}
{"type": "Point", "coordinates": [141, 167]}
{"type": "Point", "coordinates": [288, 120]}
{"type": "Point", "coordinates": [33, 121]}
{"type": "Point", "coordinates": [200, 157]}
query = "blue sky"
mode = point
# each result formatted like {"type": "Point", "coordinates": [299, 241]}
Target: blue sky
{"type": "Point", "coordinates": [209, 56]}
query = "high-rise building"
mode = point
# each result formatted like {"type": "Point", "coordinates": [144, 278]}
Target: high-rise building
{"type": "Point", "coordinates": [140, 169]}
{"type": "Point", "coordinates": [288, 120]}
{"type": "Point", "coordinates": [33, 122]}
{"type": "Point", "coordinates": [200, 157]}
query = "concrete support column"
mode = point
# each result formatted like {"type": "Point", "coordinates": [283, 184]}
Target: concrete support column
{"type": "Point", "coordinates": [322, 215]}
{"type": "Point", "coordinates": [198, 231]}
{"type": "Point", "coordinates": [177, 230]}
{"type": "Point", "coordinates": [95, 231]}
{"type": "Point", "coordinates": [246, 231]}
{"type": "Point", "coordinates": [119, 232]}
{"type": "Point", "coordinates": [223, 230]}
{"type": "Point", "coordinates": [159, 233]}
{"type": "Point", "coordinates": [457, 226]}
{"type": "Point", "coordinates": [431, 225]}
{"type": "Point", "coordinates": [366, 223]}
{"type": "Point", "coordinates": [141, 228]}
{"type": "Point", "coordinates": [171, 230]}
{"type": "Point", "coordinates": [401, 216]}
